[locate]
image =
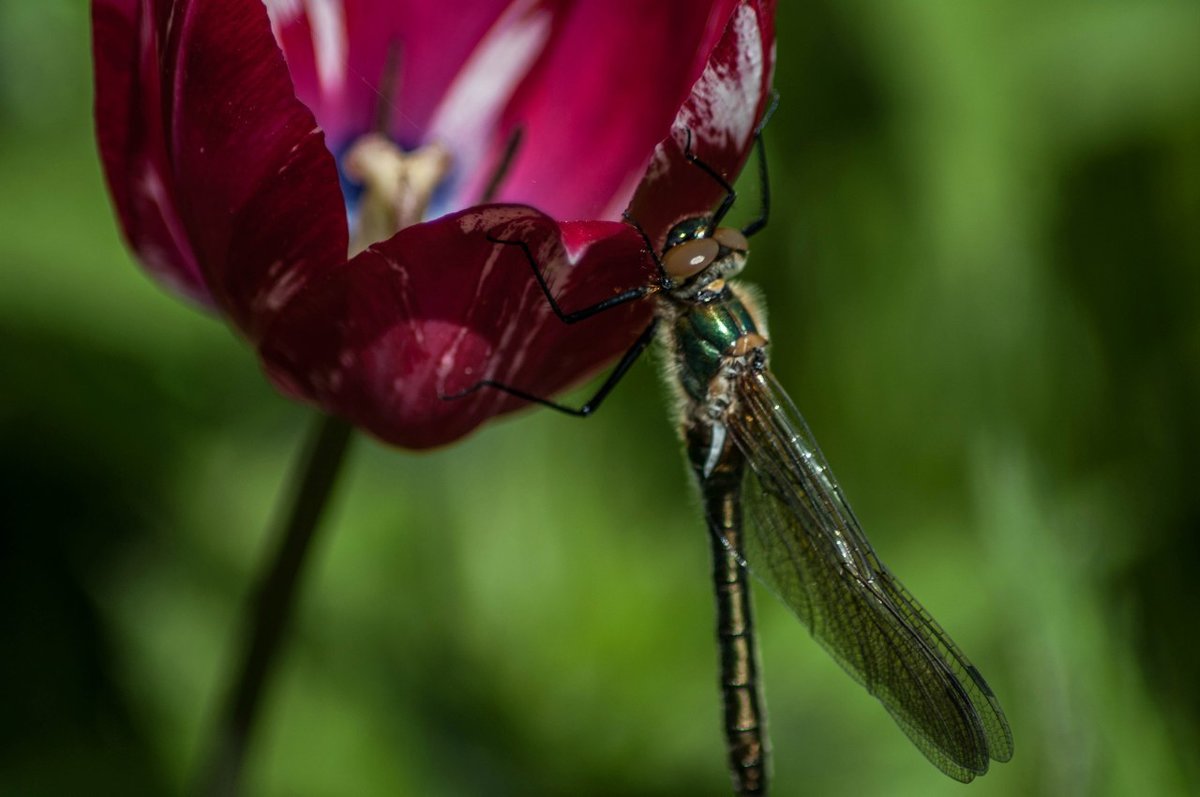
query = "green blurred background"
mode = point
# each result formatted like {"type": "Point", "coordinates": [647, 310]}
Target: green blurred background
{"type": "Point", "coordinates": [983, 276]}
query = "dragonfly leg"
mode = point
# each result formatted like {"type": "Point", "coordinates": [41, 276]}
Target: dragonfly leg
{"type": "Point", "coordinates": [572, 317]}
{"type": "Point", "coordinates": [764, 188]}
{"type": "Point", "coordinates": [592, 404]}
{"type": "Point", "coordinates": [663, 280]}
{"type": "Point", "coordinates": [763, 181]}
{"type": "Point", "coordinates": [730, 193]}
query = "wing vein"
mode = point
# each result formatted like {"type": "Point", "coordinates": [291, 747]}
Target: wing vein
{"type": "Point", "coordinates": [806, 544]}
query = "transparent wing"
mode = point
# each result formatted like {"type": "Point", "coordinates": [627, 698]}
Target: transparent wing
{"type": "Point", "coordinates": [806, 544]}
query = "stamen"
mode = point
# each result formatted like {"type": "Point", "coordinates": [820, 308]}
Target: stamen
{"type": "Point", "coordinates": [389, 82]}
{"type": "Point", "coordinates": [506, 159]}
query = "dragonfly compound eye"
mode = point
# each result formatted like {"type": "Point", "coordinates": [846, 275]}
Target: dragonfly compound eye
{"type": "Point", "coordinates": [732, 239]}
{"type": "Point", "coordinates": [686, 260]}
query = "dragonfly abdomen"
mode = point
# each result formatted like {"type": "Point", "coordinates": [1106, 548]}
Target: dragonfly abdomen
{"type": "Point", "coordinates": [721, 488]}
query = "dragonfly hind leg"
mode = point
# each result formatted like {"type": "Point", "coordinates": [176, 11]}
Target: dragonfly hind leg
{"type": "Point", "coordinates": [591, 405]}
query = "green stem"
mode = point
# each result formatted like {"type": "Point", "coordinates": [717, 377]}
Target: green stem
{"type": "Point", "coordinates": [271, 606]}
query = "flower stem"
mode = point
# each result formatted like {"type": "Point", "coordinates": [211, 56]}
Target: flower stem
{"type": "Point", "coordinates": [270, 608]}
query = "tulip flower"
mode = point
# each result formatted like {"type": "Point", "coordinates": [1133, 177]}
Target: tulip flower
{"type": "Point", "coordinates": [328, 175]}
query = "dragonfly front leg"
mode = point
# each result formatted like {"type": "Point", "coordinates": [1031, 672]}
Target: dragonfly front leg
{"type": "Point", "coordinates": [625, 297]}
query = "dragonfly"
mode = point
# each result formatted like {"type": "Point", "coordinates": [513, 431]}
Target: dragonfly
{"type": "Point", "coordinates": [749, 448]}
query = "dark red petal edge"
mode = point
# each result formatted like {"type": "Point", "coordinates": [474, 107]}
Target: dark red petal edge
{"type": "Point", "coordinates": [439, 307]}
{"type": "Point", "coordinates": [258, 189]}
{"type": "Point", "coordinates": [220, 175]}
{"type": "Point", "coordinates": [721, 112]}
{"type": "Point", "coordinates": [129, 131]}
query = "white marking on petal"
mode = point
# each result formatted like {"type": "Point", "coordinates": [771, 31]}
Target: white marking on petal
{"type": "Point", "coordinates": [449, 358]}
{"type": "Point", "coordinates": [575, 253]}
{"type": "Point", "coordinates": [486, 272]}
{"type": "Point", "coordinates": [152, 188]}
{"type": "Point", "coordinates": [716, 111]}
{"type": "Point", "coordinates": [471, 106]}
{"type": "Point", "coordinates": [406, 310]}
{"type": "Point", "coordinates": [282, 12]}
{"type": "Point", "coordinates": [475, 222]}
{"type": "Point", "coordinates": [515, 354]}
{"type": "Point", "coordinates": [316, 131]}
{"type": "Point", "coordinates": [285, 281]}
{"type": "Point", "coordinates": [328, 23]}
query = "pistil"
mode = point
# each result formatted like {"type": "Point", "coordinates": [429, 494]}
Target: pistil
{"type": "Point", "coordinates": [397, 185]}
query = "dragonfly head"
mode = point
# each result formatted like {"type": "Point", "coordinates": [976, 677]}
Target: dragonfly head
{"type": "Point", "coordinates": [697, 255]}
{"type": "Point", "coordinates": [689, 230]}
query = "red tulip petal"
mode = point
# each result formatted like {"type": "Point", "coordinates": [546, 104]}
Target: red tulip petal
{"type": "Point", "coordinates": [439, 307]}
{"type": "Point", "coordinates": [338, 51]}
{"type": "Point", "coordinates": [245, 206]}
{"type": "Point", "coordinates": [220, 176]}
{"type": "Point", "coordinates": [725, 105]}
{"type": "Point", "coordinates": [602, 97]}
{"type": "Point", "coordinates": [129, 129]}
{"type": "Point", "coordinates": [258, 190]}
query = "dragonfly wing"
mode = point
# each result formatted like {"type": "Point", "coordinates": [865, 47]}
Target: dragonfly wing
{"type": "Point", "coordinates": [806, 544]}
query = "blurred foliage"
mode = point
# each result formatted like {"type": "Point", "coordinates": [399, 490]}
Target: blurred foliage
{"type": "Point", "coordinates": [983, 273]}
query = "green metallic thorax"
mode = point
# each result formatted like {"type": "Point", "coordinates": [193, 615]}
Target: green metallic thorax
{"type": "Point", "coordinates": [701, 337]}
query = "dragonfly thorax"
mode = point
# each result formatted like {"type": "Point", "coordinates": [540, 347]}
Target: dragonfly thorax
{"type": "Point", "coordinates": [710, 341]}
